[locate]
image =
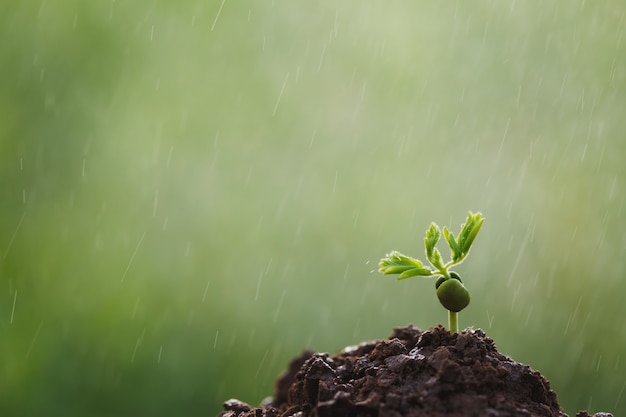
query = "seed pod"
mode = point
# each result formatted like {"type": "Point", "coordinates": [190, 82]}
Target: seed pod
{"type": "Point", "coordinates": [440, 281]}
{"type": "Point", "coordinates": [452, 293]}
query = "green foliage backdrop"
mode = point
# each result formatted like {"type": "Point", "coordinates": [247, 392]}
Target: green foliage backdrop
{"type": "Point", "coordinates": [193, 192]}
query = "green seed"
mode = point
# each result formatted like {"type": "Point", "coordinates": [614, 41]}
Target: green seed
{"type": "Point", "coordinates": [440, 281]}
{"type": "Point", "coordinates": [455, 276]}
{"type": "Point", "coordinates": [452, 294]}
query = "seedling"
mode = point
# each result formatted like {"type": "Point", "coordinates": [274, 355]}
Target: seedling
{"type": "Point", "coordinates": [451, 292]}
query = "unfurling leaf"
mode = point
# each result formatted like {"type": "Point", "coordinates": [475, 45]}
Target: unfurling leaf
{"type": "Point", "coordinates": [397, 263]}
{"type": "Point", "coordinates": [469, 230]}
{"type": "Point", "coordinates": [422, 272]}
{"type": "Point", "coordinates": [435, 260]}
{"type": "Point", "coordinates": [455, 249]}
{"type": "Point", "coordinates": [432, 237]}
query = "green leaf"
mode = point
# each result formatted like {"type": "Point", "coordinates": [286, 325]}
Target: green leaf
{"type": "Point", "coordinates": [455, 249]}
{"type": "Point", "coordinates": [397, 263]}
{"type": "Point", "coordinates": [432, 237]}
{"type": "Point", "coordinates": [395, 269]}
{"type": "Point", "coordinates": [478, 223]}
{"type": "Point", "coordinates": [469, 230]}
{"type": "Point", "coordinates": [436, 260]}
{"type": "Point", "coordinates": [423, 272]}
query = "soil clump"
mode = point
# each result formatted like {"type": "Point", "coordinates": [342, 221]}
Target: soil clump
{"type": "Point", "coordinates": [414, 373]}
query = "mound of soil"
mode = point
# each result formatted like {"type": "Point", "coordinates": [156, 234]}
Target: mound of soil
{"type": "Point", "coordinates": [411, 374]}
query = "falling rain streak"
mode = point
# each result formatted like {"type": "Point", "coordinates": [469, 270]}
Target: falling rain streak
{"type": "Point", "coordinates": [258, 287]}
{"type": "Point", "coordinates": [217, 16]}
{"type": "Point", "coordinates": [34, 339]}
{"type": "Point", "coordinates": [206, 290]}
{"type": "Point", "coordinates": [280, 95]}
{"type": "Point", "coordinates": [17, 228]}
{"type": "Point", "coordinates": [132, 258]}
{"type": "Point", "coordinates": [13, 308]}
{"type": "Point", "coordinates": [279, 306]}
{"type": "Point", "coordinates": [138, 343]}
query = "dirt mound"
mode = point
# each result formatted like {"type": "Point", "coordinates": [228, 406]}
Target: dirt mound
{"type": "Point", "coordinates": [413, 373]}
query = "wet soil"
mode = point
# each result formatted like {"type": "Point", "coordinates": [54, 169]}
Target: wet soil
{"type": "Point", "coordinates": [414, 373]}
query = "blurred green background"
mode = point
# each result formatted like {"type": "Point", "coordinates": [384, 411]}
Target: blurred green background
{"type": "Point", "coordinates": [193, 192]}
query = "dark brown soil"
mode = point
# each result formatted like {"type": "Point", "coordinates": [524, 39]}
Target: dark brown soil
{"type": "Point", "coordinates": [412, 374]}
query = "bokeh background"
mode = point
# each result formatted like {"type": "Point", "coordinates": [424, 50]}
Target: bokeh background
{"type": "Point", "coordinates": [193, 192]}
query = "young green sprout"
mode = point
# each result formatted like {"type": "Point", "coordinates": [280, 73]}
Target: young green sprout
{"type": "Point", "coordinates": [451, 292]}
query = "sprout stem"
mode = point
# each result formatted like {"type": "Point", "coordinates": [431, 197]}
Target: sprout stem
{"type": "Point", "coordinates": [453, 321]}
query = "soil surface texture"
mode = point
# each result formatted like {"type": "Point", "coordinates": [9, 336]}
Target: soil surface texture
{"type": "Point", "coordinates": [414, 373]}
